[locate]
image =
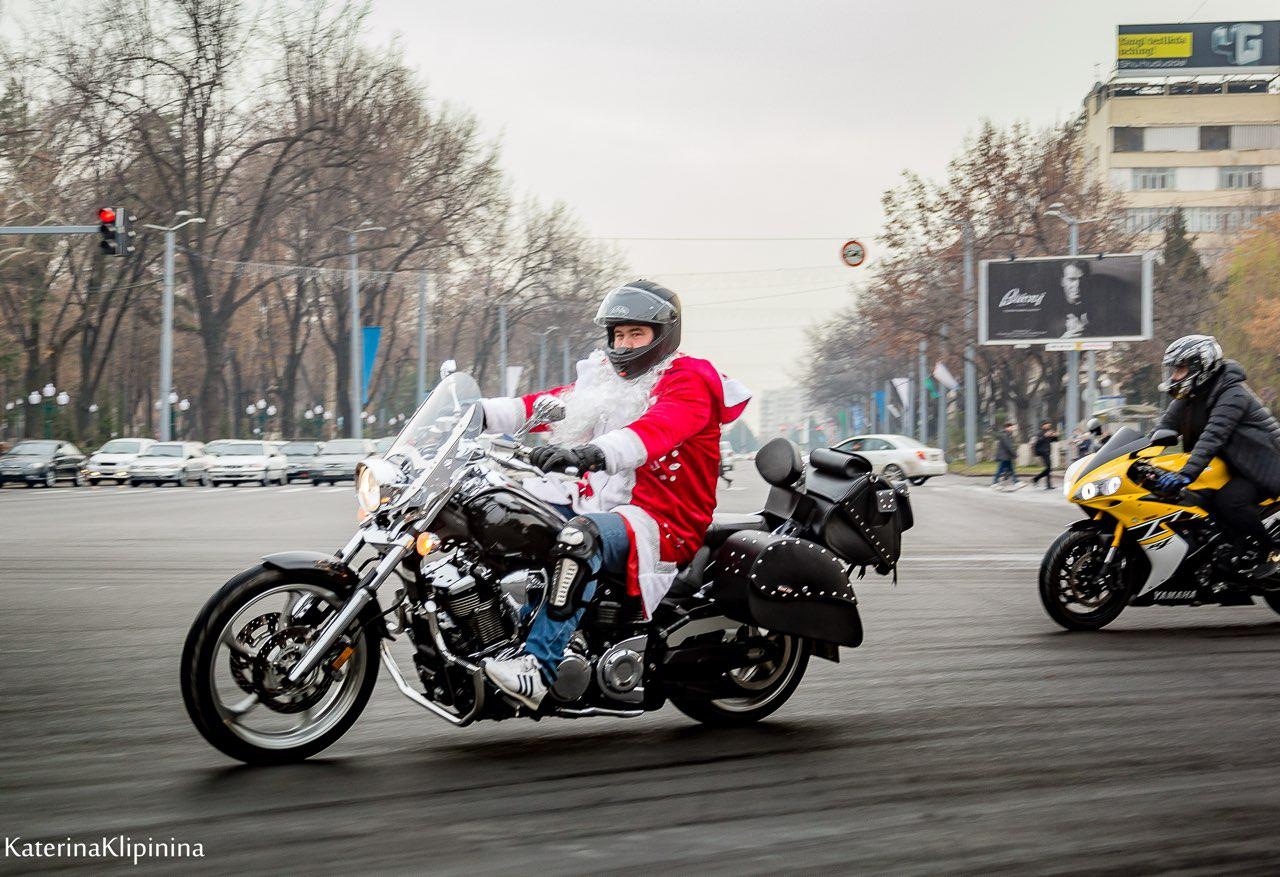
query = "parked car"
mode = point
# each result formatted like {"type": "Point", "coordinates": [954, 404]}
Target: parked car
{"type": "Point", "coordinates": [238, 460]}
{"type": "Point", "coordinates": [301, 455]}
{"type": "Point", "coordinates": [179, 463]}
{"type": "Point", "coordinates": [337, 460]}
{"type": "Point", "coordinates": [112, 460]}
{"type": "Point", "coordinates": [42, 462]}
{"type": "Point", "coordinates": [726, 456]}
{"type": "Point", "coordinates": [897, 457]}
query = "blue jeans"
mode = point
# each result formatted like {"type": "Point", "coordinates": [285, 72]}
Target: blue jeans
{"type": "Point", "coordinates": [1003, 466]}
{"type": "Point", "coordinates": [548, 638]}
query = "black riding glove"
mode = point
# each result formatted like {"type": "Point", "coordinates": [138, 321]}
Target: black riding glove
{"type": "Point", "coordinates": [558, 458]}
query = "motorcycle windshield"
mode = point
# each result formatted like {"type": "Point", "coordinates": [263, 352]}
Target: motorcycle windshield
{"type": "Point", "coordinates": [1125, 441]}
{"type": "Point", "coordinates": [449, 408]}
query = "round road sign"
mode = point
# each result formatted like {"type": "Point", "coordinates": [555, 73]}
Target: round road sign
{"type": "Point", "coordinates": [853, 254]}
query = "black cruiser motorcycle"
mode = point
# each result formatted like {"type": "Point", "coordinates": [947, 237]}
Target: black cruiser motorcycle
{"type": "Point", "coordinates": [451, 554]}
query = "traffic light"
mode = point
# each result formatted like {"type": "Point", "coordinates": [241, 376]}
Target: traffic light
{"type": "Point", "coordinates": [113, 227]}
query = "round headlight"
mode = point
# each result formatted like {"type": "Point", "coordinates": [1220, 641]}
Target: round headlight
{"type": "Point", "coordinates": [368, 491]}
{"type": "Point", "coordinates": [1110, 486]}
{"type": "Point", "coordinates": [1089, 491]}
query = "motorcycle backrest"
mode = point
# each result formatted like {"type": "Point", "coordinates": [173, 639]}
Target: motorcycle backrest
{"type": "Point", "coordinates": [779, 462]}
{"type": "Point", "coordinates": [840, 463]}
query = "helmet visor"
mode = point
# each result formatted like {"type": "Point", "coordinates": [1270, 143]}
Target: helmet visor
{"type": "Point", "coordinates": [630, 304]}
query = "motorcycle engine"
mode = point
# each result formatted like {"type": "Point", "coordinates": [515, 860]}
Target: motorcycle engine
{"type": "Point", "coordinates": [620, 671]}
{"type": "Point", "coordinates": [475, 606]}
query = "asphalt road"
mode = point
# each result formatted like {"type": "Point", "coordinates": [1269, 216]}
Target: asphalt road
{"type": "Point", "coordinates": [967, 733]}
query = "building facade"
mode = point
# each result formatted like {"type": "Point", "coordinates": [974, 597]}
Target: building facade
{"type": "Point", "coordinates": [1207, 145]}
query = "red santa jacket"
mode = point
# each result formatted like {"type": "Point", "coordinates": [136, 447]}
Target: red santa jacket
{"type": "Point", "coordinates": [673, 451]}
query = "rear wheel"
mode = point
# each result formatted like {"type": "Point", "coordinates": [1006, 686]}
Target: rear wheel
{"type": "Point", "coordinates": [1273, 599]}
{"type": "Point", "coordinates": [763, 687]}
{"type": "Point", "coordinates": [237, 658]}
{"type": "Point", "coordinates": [1071, 589]}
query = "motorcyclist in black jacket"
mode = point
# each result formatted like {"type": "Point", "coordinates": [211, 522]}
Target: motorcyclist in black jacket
{"type": "Point", "coordinates": [1218, 415]}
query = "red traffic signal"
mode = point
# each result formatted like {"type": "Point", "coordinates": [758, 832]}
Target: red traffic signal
{"type": "Point", "coordinates": [107, 215]}
{"type": "Point", "coordinates": [113, 229]}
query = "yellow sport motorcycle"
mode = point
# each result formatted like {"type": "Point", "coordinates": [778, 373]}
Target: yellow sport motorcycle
{"type": "Point", "coordinates": [1139, 548]}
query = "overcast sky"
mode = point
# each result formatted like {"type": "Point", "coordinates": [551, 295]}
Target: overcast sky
{"type": "Point", "coordinates": [755, 119]}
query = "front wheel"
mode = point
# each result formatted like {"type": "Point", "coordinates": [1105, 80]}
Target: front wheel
{"type": "Point", "coordinates": [1071, 589]}
{"type": "Point", "coordinates": [237, 658]}
{"type": "Point", "coordinates": [763, 687]}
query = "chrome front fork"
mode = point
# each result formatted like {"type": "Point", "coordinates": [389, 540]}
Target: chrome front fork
{"type": "Point", "coordinates": [364, 593]}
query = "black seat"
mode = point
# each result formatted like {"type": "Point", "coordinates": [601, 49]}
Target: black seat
{"type": "Point", "coordinates": [725, 525]}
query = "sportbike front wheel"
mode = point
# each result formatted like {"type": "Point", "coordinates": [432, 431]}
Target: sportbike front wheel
{"type": "Point", "coordinates": [1072, 589]}
{"type": "Point", "coordinates": [759, 689]}
{"type": "Point", "coordinates": [237, 659]}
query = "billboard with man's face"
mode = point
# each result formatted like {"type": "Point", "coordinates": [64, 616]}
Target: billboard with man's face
{"type": "Point", "coordinates": [1065, 298]}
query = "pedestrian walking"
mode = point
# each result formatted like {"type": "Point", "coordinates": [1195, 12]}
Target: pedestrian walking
{"type": "Point", "coordinates": [1043, 448]}
{"type": "Point", "coordinates": [1006, 453]}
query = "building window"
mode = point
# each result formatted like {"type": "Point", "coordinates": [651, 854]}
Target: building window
{"type": "Point", "coordinates": [1146, 220]}
{"type": "Point", "coordinates": [1240, 178]}
{"type": "Point", "coordinates": [1214, 137]}
{"type": "Point", "coordinates": [1127, 140]}
{"type": "Point", "coordinates": [1153, 178]}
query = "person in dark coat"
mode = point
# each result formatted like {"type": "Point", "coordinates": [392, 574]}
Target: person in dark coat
{"type": "Point", "coordinates": [1218, 415]}
{"type": "Point", "coordinates": [1006, 453]}
{"type": "Point", "coordinates": [1043, 448]}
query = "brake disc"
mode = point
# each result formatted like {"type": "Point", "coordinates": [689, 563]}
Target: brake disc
{"type": "Point", "coordinates": [279, 654]}
{"type": "Point", "coordinates": [251, 636]}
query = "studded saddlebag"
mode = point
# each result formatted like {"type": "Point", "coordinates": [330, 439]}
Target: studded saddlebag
{"type": "Point", "coordinates": [787, 585]}
{"type": "Point", "coordinates": [860, 518]}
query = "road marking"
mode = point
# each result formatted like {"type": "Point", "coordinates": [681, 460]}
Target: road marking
{"type": "Point", "coordinates": [295, 489]}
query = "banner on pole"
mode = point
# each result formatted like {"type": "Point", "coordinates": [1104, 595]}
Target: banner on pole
{"type": "Point", "coordinates": [943, 376]}
{"type": "Point", "coordinates": [513, 379]}
{"type": "Point", "coordinates": [369, 339]}
{"type": "Point", "coordinates": [903, 386]}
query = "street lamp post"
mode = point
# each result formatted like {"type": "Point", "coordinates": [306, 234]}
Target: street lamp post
{"type": "Point", "coordinates": [1073, 356]}
{"type": "Point", "coordinates": [48, 392]}
{"type": "Point", "coordinates": [167, 396]}
{"type": "Point", "coordinates": [354, 394]}
{"type": "Point", "coordinates": [970, 366]}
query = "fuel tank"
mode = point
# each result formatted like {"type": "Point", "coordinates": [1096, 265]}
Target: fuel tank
{"type": "Point", "coordinates": [508, 525]}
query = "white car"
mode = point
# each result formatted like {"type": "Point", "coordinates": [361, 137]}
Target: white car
{"type": "Point", "coordinates": [897, 457]}
{"type": "Point", "coordinates": [238, 461]}
{"type": "Point", "coordinates": [112, 460]}
{"type": "Point", "coordinates": [178, 462]}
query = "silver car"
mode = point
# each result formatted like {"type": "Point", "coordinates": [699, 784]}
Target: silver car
{"type": "Point", "coordinates": [113, 460]}
{"type": "Point", "coordinates": [301, 455]}
{"type": "Point", "coordinates": [338, 458]}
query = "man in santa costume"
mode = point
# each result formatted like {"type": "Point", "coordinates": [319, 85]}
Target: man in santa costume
{"type": "Point", "coordinates": [642, 427]}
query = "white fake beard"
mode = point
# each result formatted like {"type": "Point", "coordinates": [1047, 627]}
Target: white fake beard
{"type": "Point", "coordinates": [602, 400]}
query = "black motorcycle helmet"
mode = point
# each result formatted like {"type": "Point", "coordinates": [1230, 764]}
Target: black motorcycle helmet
{"type": "Point", "coordinates": [643, 303]}
{"type": "Point", "coordinates": [1201, 354]}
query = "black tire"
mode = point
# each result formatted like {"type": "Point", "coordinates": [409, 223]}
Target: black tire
{"type": "Point", "coordinates": [1057, 586]}
{"type": "Point", "coordinates": [723, 713]}
{"type": "Point", "coordinates": [51, 479]}
{"type": "Point", "coordinates": [182, 480]}
{"type": "Point", "coordinates": [1272, 599]}
{"type": "Point", "coordinates": [134, 483]}
{"type": "Point", "coordinates": [95, 481]}
{"type": "Point", "coordinates": [893, 472]}
{"type": "Point", "coordinates": [77, 480]}
{"type": "Point", "coordinates": [201, 648]}
{"type": "Point", "coordinates": [204, 479]}
{"type": "Point", "coordinates": [918, 480]}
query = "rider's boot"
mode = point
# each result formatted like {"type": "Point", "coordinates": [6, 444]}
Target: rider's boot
{"type": "Point", "coordinates": [520, 677]}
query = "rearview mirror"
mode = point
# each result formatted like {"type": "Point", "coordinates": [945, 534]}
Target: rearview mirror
{"type": "Point", "coordinates": [546, 409]}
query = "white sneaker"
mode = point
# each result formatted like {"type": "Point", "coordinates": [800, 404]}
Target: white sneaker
{"type": "Point", "coordinates": [520, 677]}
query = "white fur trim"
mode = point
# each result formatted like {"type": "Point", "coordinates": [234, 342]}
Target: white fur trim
{"type": "Point", "coordinates": [735, 392]}
{"type": "Point", "coordinates": [656, 575]}
{"type": "Point", "coordinates": [505, 414]}
{"type": "Point", "coordinates": [622, 448]}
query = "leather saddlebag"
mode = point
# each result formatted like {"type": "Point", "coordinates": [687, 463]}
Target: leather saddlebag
{"type": "Point", "coordinates": [785, 584]}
